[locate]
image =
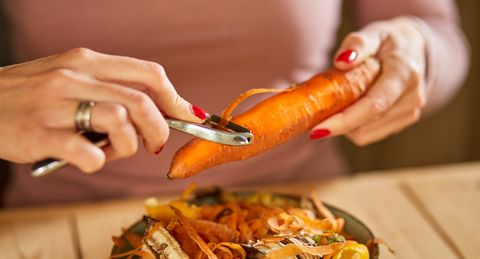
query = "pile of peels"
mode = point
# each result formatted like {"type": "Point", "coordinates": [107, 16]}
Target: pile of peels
{"type": "Point", "coordinates": [228, 226]}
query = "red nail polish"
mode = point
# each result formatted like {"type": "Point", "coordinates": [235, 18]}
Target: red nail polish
{"type": "Point", "coordinates": [320, 133]}
{"type": "Point", "coordinates": [347, 56]}
{"type": "Point", "coordinates": [198, 112]}
{"type": "Point", "coordinates": [159, 150]}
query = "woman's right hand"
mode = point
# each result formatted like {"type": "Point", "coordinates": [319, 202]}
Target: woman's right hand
{"type": "Point", "coordinates": [39, 101]}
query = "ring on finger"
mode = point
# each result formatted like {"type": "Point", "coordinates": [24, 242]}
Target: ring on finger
{"type": "Point", "coordinates": [83, 116]}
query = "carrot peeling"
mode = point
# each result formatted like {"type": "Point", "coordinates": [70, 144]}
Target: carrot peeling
{"type": "Point", "coordinates": [324, 211]}
{"type": "Point", "coordinates": [226, 113]}
{"type": "Point", "coordinates": [193, 233]}
{"type": "Point", "coordinates": [291, 250]}
{"type": "Point", "coordinates": [118, 241]}
{"type": "Point", "coordinates": [371, 243]}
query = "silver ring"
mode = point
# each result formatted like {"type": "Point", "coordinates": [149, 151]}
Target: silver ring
{"type": "Point", "coordinates": [83, 117]}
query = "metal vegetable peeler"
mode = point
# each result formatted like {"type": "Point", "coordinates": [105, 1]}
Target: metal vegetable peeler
{"type": "Point", "coordinates": [230, 134]}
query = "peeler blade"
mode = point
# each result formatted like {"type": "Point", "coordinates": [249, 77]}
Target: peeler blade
{"type": "Point", "coordinates": [211, 130]}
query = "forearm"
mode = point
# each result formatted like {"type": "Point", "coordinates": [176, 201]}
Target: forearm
{"type": "Point", "coordinates": [448, 57]}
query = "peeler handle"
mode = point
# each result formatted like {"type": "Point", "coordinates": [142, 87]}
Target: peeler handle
{"type": "Point", "coordinates": [238, 137]}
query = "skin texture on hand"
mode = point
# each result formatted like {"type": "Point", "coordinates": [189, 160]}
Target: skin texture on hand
{"type": "Point", "coordinates": [396, 99]}
{"type": "Point", "coordinates": [39, 100]}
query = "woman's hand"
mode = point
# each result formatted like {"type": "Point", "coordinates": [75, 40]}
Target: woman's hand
{"type": "Point", "coordinates": [397, 97]}
{"type": "Point", "coordinates": [39, 101]}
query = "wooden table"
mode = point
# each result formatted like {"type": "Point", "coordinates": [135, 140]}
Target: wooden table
{"type": "Point", "coordinates": [429, 212]}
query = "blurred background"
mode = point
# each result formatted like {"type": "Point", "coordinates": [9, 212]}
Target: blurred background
{"type": "Point", "coordinates": [448, 136]}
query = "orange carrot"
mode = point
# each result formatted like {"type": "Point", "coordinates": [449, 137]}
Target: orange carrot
{"type": "Point", "coordinates": [280, 118]}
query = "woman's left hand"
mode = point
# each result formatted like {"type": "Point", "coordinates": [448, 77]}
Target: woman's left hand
{"type": "Point", "coordinates": [396, 99]}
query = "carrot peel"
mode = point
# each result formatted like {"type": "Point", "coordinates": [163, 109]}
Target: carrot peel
{"type": "Point", "coordinates": [193, 234]}
{"type": "Point", "coordinates": [226, 113]}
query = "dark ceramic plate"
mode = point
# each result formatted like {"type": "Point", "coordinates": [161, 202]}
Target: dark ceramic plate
{"type": "Point", "coordinates": [353, 226]}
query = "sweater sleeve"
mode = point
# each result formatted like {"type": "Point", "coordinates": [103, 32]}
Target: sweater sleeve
{"type": "Point", "coordinates": [448, 53]}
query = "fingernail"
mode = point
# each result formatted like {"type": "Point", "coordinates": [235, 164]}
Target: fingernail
{"type": "Point", "coordinates": [198, 112]}
{"type": "Point", "coordinates": [320, 133]}
{"type": "Point", "coordinates": [159, 150]}
{"type": "Point", "coordinates": [347, 56]}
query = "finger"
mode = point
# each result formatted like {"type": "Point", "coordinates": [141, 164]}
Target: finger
{"type": "Point", "coordinates": [404, 113]}
{"type": "Point", "coordinates": [113, 119]}
{"type": "Point", "coordinates": [355, 48]}
{"type": "Point", "coordinates": [58, 114]}
{"type": "Point", "coordinates": [74, 148]}
{"type": "Point", "coordinates": [369, 133]}
{"type": "Point", "coordinates": [379, 98]}
{"type": "Point", "coordinates": [143, 112]}
{"type": "Point", "coordinates": [145, 76]}
{"type": "Point", "coordinates": [108, 118]}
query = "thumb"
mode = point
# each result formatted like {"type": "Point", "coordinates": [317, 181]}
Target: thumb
{"type": "Point", "coordinates": [355, 48]}
{"type": "Point", "coordinates": [173, 105]}
{"type": "Point", "coordinates": [179, 108]}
